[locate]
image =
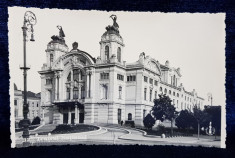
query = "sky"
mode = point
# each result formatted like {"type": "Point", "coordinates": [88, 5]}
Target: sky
{"type": "Point", "coordinates": [194, 42]}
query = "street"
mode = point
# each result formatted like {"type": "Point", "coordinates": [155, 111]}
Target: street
{"type": "Point", "coordinates": [114, 135]}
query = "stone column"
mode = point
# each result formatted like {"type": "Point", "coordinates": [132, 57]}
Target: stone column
{"type": "Point", "coordinates": [79, 85]}
{"type": "Point", "coordinates": [69, 115]}
{"type": "Point", "coordinates": [87, 83]}
{"type": "Point", "coordinates": [76, 114]}
{"type": "Point", "coordinates": [89, 90]}
{"type": "Point", "coordinates": [56, 90]}
{"type": "Point", "coordinates": [71, 87]}
{"type": "Point", "coordinates": [43, 117]}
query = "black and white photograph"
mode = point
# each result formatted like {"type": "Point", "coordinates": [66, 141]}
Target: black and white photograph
{"type": "Point", "coordinates": [116, 78]}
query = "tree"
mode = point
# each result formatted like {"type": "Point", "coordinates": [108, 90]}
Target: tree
{"type": "Point", "coordinates": [184, 120]}
{"type": "Point", "coordinates": [200, 116]}
{"type": "Point", "coordinates": [149, 121]}
{"type": "Point", "coordinates": [36, 121]}
{"type": "Point", "coordinates": [163, 109]}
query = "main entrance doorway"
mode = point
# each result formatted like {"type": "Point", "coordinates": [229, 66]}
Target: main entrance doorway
{"type": "Point", "coordinates": [72, 118]}
{"type": "Point", "coordinates": [68, 109]}
{"type": "Point", "coordinates": [65, 118]}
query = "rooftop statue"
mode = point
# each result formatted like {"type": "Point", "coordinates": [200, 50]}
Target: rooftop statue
{"type": "Point", "coordinates": [114, 27]}
{"type": "Point", "coordinates": [60, 38]}
{"type": "Point", "coordinates": [115, 24]}
{"type": "Point", "coordinates": [61, 33]}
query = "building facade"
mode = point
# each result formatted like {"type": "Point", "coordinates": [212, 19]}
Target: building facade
{"type": "Point", "coordinates": [77, 88]}
{"type": "Point", "coordinates": [34, 102]}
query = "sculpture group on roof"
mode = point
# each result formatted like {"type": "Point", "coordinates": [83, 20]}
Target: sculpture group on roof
{"type": "Point", "coordinates": [115, 25]}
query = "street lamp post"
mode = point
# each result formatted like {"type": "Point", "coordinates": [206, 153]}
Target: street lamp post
{"type": "Point", "coordinates": [29, 21]}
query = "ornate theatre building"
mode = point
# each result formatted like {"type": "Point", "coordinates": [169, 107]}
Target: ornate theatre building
{"type": "Point", "coordinates": [77, 88]}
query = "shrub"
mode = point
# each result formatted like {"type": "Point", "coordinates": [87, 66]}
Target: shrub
{"type": "Point", "coordinates": [36, 121]}
{"type": "Point", "coordinates": [130, 123]}
{"type": "Point", "coordinates": [149, 121]}
{"type": "Point", "coordinates": [21, 123]}
{"type": "Point", "coordinates": [161, 128]}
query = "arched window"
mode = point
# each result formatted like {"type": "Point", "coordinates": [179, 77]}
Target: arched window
{"type": "Point", "coordinates": [165, 91]}
{"type": "Point", "coordinates": [160, 89]}
{"type": "Point", "coordinates": [150, 94]}
{"type": "Point", "coordinates": [76, 75]}
{"type": "Point", "coordinates": [82, 92]}
{"type": "Point", "coordinates": [69, 77]}
{"type": "Point", "coordinates": [173, 93]}
{"type": "Point", "coordinates": [145, 93]}
{"type": "Point", "coordinates": [51, 59]}
{"type": "Point", "coordinates": [104, 92]}
{"type": "Point", "coordinates": [155, 94]}
{"type": "Point", "coordinates": [177, 94]}
{"type": "Point", "coordinates": [169, 92]}
{"type": "Point", "coordinates": [120, 92]}
{"type": "Point", "coordinates": [119, 54]}
{"type": "Point", "coordinates": [129, 116]}
{"type": "Point", "coordinates": [106, 52]}
{"type": "Point", "coordinates": [75, 93]}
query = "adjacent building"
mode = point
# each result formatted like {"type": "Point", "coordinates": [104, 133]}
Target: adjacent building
{"type": "Point", "coordinates": [78, 88]}
{"type": "Point", "coordinates": [34, 102]}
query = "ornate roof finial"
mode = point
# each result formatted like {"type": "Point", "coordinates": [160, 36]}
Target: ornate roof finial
{"type": "Point", "coordinates": [75, 45]}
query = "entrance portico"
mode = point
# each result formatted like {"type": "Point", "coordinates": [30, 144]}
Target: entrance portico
{"type": "Point", "coordinates": [69, 113]}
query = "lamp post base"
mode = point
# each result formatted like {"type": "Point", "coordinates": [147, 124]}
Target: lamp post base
{"type": "Point", "coordinates": [25, 124]}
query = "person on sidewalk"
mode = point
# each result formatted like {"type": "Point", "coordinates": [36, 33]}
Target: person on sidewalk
{"type": "Point", "coordinates": [121, 123]}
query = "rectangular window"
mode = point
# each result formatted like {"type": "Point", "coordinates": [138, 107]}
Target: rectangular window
{"type": "Point", "coordinates": [145, 79]}
{"type": "Point", "coordinates": [16, 113]}
{"type": "Point", "coordinates": [106, 92]}
{"type": "Point", "coordinates": [155, 83]}
{"type": "Point", "coordinates": [131, 78]}
{"type": "Point", "coordinates": [15, 102]}
{"type": "Point", "coordinates": [48, 81]}
{"type": "Point", "coordinates": [151, 81]}
{"type": "Point", "coordinates": [104, 76]}
{"type": "Point", "coordinates": [120, 77]}
{"type": "Point", "coordinates": [51, 57]}
{"type": "Point", "coordinates": [150, 94]}
{"type": "Point", "coordinates": [145, 93]}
